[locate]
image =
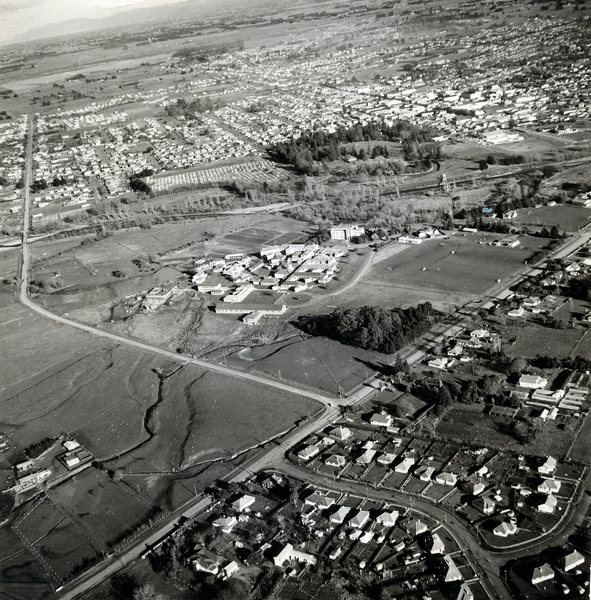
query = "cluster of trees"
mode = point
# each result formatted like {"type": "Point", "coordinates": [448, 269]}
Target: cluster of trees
{"type": "Point", "coordinates": [38, 448]}
{"type": "Point", "coordinates": [371, 327]}
{"type": "Point", "coordinates": [189, 109]}
{"type": "Point", "coordinates": [317, 146]}
{"type": "Point", "coordinates": [203, 52]}
{"type": "Point", "coordinates": [137, 184]}
{"type": "Point", "coordinates": [576, 363]}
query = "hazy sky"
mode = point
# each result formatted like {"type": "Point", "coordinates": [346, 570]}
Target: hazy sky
{"type": "Point", "coordinates": [18, 16]}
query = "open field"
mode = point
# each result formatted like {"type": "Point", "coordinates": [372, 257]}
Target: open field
{"type": "Point", "coordinates": [564, 216]}
{"type": "Point", "coordinates": [472, 269]}
{"type": "Point", "coordinates": [106, 508]}
{"type": "Point", "coordinates": [463, 426]}
{"type": "Point", "coordinates": [21, 577]}
{"type": "Point", "coordinates": [533, 340]}
{"type": "Point", "coordinates": [318, 363]}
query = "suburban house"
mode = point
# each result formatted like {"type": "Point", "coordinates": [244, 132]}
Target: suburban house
{"type": "Point", "coordinates": [336, 460]}
{"type": "Point", "coordinates": [548, 466]}
{"type": "Point", "coordinates": [339, 516]}
{"type": "Point", "coordinates": [435, 545]}
{"type": "Point", "coordinates": [405, 465]}
{"type": "Point", "coordinates": [572, 560]}
{"type": "Point", "coordinates": [243, 503]}
{"type": "Point", "coordinates": [548, 505]}
{"type": "Point", "coordinates": [208, 562]}
{"type": "Point", "coordinates": [360, 519]}
{"type": "Point", "coordinates": [381, 419]}
{"type": "Point", "coordinates": [505, 529]}
{"type": "Point", "coordinates": [541, 574]}
{"type": "Point", "coordinates": [387, 518]}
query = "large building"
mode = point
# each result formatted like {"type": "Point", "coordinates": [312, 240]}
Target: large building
{"type": "Point", "coordinates": [346, 232]}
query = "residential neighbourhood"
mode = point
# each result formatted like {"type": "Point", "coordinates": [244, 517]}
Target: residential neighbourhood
{"type": "Point", "coordinates": [296, 301]}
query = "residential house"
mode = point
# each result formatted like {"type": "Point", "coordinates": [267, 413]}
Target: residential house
{"type": "Point", "coordinates": [243, 503]}
{"type": "Point", "coordinates": [388, 518]}
{"type": "Point", "coordinates": [548, 505]}
{"type": "Point", "coordinates": [549, 486]}
{"type": "Point", "coordinates": [208, 562]}
{"type": "Point", "coordinates": [308, 452]}
{"type": "Point", "coordinates": [446, 479]}
{"type": "Point", "coordinates": [340, 433]}
{"type": "Point", "coordinates": [386, 458]}
{"type": "Point", "coordinates": [405, 465]}
{"type": "Point", "coordinates": [542, 573]}
{"type": "Point", "coordinates": [414, 527]}
{"type": "Point", "coordinates": [336, 460]}
{"type": "Point", "coordinates": [572, 560]}
{"type": "Point", "coordinates": [548, 466]}
{"type": "Point", "coordinates": [435, 544]}
{"type": "Point", "coordinates": [505, 529]}
{"type": "Point", "coordinates": [425, 472]}
{"type": "Point", "coordinates": [381, 419]}
{"type": "Point", "coordinates": [360, 519]}
{"type": "Point", "coordinates": [338, 517]}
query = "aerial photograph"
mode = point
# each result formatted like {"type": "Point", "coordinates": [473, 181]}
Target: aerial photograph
{"type": "Point", "coordinates": [295, 299]}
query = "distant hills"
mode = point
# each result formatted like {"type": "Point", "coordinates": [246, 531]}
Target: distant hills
{"type": "Point", "coordinates": [150, 11]}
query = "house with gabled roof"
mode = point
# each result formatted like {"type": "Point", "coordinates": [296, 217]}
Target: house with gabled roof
{"type": "Point", "coordinates": [340, 433]}
{"type": "Point", "coordinates": [435, 544]}
{"type": "Point", "coordinates": [388, 518]}
{"type": "Point", "coordinates": [366, 457]}
{"type": "Point", "coordinates": [321, 500]}
{"type": "Point", "coordinates": [425, 472]}
{"type": "Point", "coordinates": [360, 519]}
{"type": "Point", "coordinates": [381, 419]}
{"type": "Point", "coordinates": [243, 503]}
{"type": "Point", "coordinates": [542, 573]}
{"type": "Point", "coordinates": [505, 528]}
{"type": "Point", "coordinates": [549, 486]}
{"type": "Point", "coordinates": [336, 460]}
{"type": "Point", "coordinates": [414, 527]}
{"type": "Point", "coordinates": [405, 465]}
{"type": "Point", "coordinates": [386, 458]}
{"type": "Point", "coordinates": [548, 505]}
{"type": "Point", "coordinates": [339, 516]}
{"type": "Point", "coordinates": [207, 561]}
{"type": "Point", "coordinates": [572, 560]}
{"type": "Point", "coordinates": [548, 466]}
{"type": "Point", "coordinates": [446, 479]}
{"type": "Point", "coordinates": [450, 570]}
{"type": "Point", "coordinates": [308, 452]}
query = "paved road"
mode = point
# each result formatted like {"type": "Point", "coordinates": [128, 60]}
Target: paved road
{"type": "Point", "coordinates": [265, 458]}
{"type": "Point", "coordinates": [478, 556]}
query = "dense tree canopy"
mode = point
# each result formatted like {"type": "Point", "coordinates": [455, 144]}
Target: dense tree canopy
{"type": "Point", "coordinates": [371, 327]}
{"type": "Point", "coordinates": [417, 143]}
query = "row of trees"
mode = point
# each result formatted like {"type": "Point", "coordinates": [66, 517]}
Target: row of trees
{"type": "Point", "coordinates": [371, 327]}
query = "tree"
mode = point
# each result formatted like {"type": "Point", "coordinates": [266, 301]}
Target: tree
{"type": "Point", "coordinates": [483, 165]}
{"type": "Point", "coordinates": [491, 160]}
{"type": "Point", "coordinates": [146, 592]}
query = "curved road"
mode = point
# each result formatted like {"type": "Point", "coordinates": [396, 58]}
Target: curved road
{"type": "Point", "coordinates": [266, 457]}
